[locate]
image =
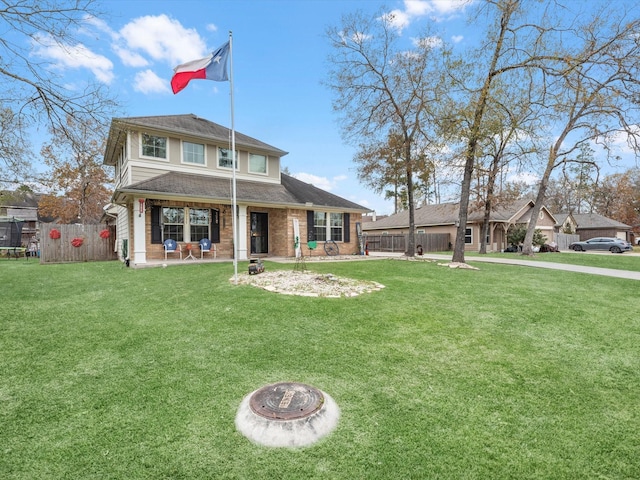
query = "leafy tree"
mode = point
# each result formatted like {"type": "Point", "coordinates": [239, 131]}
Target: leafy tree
{"type": "Point", "coordinates": [386, 98]}
{"type": "Point", "coordinates": [516, 234]}
{"type": "Point", "coordinates": [618, 197]}
{"type": "Point", "coordinates": [31, 91]}
{"type": "Point", "coordinates": [79, 183]}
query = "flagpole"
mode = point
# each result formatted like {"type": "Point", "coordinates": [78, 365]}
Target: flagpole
{"type": "Point", "coordinates": [233, 166]}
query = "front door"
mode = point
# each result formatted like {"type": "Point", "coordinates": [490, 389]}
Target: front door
{"type": "Point", "coordinates": [259, 233]}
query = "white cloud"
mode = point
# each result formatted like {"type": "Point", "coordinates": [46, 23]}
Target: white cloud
{"type": "Point", "coordinates": [525, 177]}
{"type": "Point", "coordinates": [401, 19]}
{"type": "Point", "coordinates": [457, 38]}
{"type": "Point", "coordinates": [212, 28]}
{"type": "Point", "coordinates": [73, 57]}
{"type": "Point", "coordinates": [162, 38]}
{"type": "Point", "coordinates": [418, 8]}
{"type": "Point", "coordinates": [148, 82]}
{"type": "Point", "coordinates": [449, 6]}
{"type": "Point", "coordinates": [130, 58]}
{"type": "Point", "coordinates": [428, 42]}
{"type": "Point", "coordinates": [321, 182]}
{"type": "Point", "coordinates": [397, 19]}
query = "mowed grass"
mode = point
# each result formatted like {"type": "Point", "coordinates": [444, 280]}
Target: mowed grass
{"type": "Point", "coordinates": [618, 261]}
{"type": "Point", "coordinates": [504, 372]}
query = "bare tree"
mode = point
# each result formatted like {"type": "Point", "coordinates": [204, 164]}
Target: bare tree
{"type": "Point", "coordinates": [31, 91]}
{"type": "Point", "coordinates": [381, 90]}
{"type": "Point", "coordinates": [595, 98]}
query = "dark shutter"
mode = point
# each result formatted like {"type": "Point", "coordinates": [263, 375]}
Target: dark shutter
{"type": "Point", "coordinates": [311, 235]}
{"type": "Point", "coordinates": [215, 226]}
{"type": "Point", "coordinates": [156, 226]}
{"type": "Point", "coordinates": [346, 228]}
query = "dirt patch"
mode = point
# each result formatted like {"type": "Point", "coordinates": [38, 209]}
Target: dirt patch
{"type": "Point", "coordinates": [308, 284]}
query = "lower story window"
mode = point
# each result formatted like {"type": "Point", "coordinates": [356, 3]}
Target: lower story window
{"type": "Point", "coordinates": [199, 220]}
{"type": "Point", "coordinates": [328, 226]}
{"type": "Point", "coordinates": [468, 238]}
{"type": "Point", "coordinates": [173, 223]}
{"type": "Point", "coordinates": [186, 224]}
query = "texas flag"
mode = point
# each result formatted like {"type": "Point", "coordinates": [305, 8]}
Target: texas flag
{"type": "Point", "coordinates": [213, 67]}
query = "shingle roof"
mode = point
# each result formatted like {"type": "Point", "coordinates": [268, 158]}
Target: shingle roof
{"type": "Point", "coordinates": [445, 214]}
{"type": "Point", "coordinates": [594, 220]}
{"type": "Point", "coordinates": [187, 124]}
{"type": "Point", "coordinates": [290, 192]}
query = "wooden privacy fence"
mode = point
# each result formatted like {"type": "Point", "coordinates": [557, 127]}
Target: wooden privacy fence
{"type": "Point", "coordinates": [564, 240]}
{"type": "Point", "coordinates": [431, 242]}
{"type": "Point", "coordinates": [77, 243]}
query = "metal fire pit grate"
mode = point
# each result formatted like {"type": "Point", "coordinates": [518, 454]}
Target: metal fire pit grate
{"type": "Point", "coordinates": [286, 401]}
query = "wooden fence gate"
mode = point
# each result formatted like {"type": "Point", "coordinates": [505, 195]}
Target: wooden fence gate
{"type": "Point", "coordinates": [564, 240]}
{"type": "Point", "coordinates": [77, 243]}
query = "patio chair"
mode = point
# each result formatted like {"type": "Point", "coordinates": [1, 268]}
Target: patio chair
{"type": "Point", "coordinates": [206, 247]}
{"type": "Point", "coordinates": [171, 246]}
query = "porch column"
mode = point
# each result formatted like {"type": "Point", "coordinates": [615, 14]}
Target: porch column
{"type": "Point", "coordinates": [242, 232]}
{"type": "Point", "coordinates": [139, 233]}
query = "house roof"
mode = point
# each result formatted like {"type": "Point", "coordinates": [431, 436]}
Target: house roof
{"type": "Point", "coordinates": [186, 124]}
{"type": "Point", "coordinates": [289, 193]}
{"type": "Point", "coordinates": [448, 213]}
{"type": "Point", "coordinates": [594, 220]}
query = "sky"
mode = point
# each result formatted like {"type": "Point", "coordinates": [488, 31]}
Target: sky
{"type": "Point", "coordinates": [279, 63]}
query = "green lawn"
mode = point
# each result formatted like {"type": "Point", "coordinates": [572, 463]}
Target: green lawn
{"type": "Point", "coordinates": [502, 373]}
{"type": "Point", "coordinates": [623, 261]}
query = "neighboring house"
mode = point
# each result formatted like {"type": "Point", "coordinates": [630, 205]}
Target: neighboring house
{"type": "Point", "coordinates": [22, 205]}
{"type": "Point", "coordinates": [566, 223]}
{"type": "Point", "coordinates": [443, 218]}
{"type": "Point", "coordinates": [173, 180]}
{"type": "Point", "coordinates": [590, 225]}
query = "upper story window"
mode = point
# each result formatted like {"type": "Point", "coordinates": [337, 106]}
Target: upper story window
{"type": "Point", "coordinates": [257, 163]}
{"type": "Point", "coordinates": [193, 153]}
{"type": "Point", "coordinates": [154, 146]}
{"type": "Point", "coordinates": [224, 158]}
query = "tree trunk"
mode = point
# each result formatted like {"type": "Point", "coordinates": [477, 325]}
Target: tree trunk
{"type": "Point", "coordinates": [474, 135]}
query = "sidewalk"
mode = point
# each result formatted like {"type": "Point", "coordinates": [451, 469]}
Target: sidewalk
{"type": "Point", "coordinates": [607, 272]}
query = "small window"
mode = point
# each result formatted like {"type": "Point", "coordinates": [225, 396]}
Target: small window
{"type": "Point", "coordinates": [193, 153]}
{"type": "Point", "coordinates": [257, 163]}
{"type": "Point", "coordinates": [420, 231]}
{"type": "Point", "coordinates": [224, 158]}
{"type": "Point", "coordinates": [468, 238]}
{"type": "Point", "coordinates": [154, 146]}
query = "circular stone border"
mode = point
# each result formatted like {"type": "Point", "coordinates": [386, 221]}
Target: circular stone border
{"type": "Point", "coordinates": [287, 414]}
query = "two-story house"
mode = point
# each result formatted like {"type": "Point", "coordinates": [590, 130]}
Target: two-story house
{"type": "Point", "coordinates": [174, 180]}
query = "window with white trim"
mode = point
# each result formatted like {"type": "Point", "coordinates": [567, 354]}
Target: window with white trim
{"type": "Point", "coordinates": [468, 236]}
{"type": "Point", "coordinates": [328, 226]}
{"type": "Point", "coordinates": [257, 163]}
{"type": "Point", "coordinates": [199, 221]}
{"type": "Point", "coordinates": [193, 153]}
{"type": "Point", "coordinates": [153, 146]}
{"type": "Point", "coordinates": [173, 223]}
{"type": "Point", "coordinates": [186, 224]}
{"type": "Point", "coordinates": [224, 158]}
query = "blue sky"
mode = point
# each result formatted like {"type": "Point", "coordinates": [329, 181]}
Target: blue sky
{"type": "Point", "coordinates": [279, 62]}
